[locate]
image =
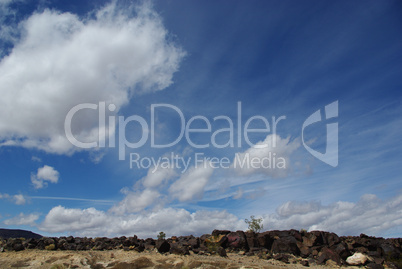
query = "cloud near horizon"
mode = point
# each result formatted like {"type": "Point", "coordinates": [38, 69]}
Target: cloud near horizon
{"type": "Point", "coordinates": [23, 219]}
{"type": "Point", "coordinates": [343, 218]}
{"type": "Point", "coordinates": [62, 60]}
{"type": "Point", "coordinates": [173, 221]}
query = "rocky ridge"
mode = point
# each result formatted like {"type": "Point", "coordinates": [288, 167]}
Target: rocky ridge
{"type": "Point", "coordinates": [290, 246]}
{"type": "Point", "coordinates": [13, 233]}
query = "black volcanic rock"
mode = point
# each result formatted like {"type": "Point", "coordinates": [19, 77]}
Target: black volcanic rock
{"type": "Point", "coordinates": [11, 233]}
{"type": "Point", "coordinates": [237, 240]}
{"type": "Point", "coordinates": [315, 247]}
{"type": "Point", "coordinates": [162, 246]}
{"type": "Point", "coordinates": [286, 244]}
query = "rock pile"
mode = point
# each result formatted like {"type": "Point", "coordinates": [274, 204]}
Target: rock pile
{"type": "Point", "coordinates": [315, 247]}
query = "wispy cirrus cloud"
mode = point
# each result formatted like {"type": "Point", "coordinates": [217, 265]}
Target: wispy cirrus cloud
{"type": "Point", "coordinates": [191, 184]}
{"type": "Point", "coordinates": [73, 199]}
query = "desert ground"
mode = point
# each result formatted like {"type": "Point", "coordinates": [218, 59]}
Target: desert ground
{"type": "Point", "coordinates": [120, 259]}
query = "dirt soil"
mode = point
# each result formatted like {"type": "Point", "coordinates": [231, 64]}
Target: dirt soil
{"type": "Point", "coordinates": [120, 259]}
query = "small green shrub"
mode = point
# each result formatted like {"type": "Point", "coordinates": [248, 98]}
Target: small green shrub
{"type": "Point", "coordinates": [50, 247]}
{"type": "Point", "coordinates": [162, 236]}
{"type": "Point", "coordinates": [254, 225]}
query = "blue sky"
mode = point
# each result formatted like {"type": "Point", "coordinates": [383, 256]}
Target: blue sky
{"type": "Point", "coordinates": [276, 59]}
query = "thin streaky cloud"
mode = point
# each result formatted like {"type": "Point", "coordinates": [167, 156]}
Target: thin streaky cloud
{"type": "Point", "coordinates": [72, 199]}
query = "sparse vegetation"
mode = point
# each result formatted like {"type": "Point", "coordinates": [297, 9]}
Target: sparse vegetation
{"type": "Point", "coordinates": [162, 236]}
{"type": "Point", "coordinates": [50, 247]}
{"type": "Point", "coordinates": [213, 243]}
{"type": "Point", "coordinates": [254, 225]}
{"type": "Point", "coordinates": [303, 231]}
{"type": "Point", "coordinates": [57, 266]}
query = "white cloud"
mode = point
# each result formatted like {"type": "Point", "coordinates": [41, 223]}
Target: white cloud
{"type": "Point", "coordinates": [36, 159]}
{"type": "Point", "coordinates": [7, 31]}
{"type": "Point", "coordinates": [96, 156]}
{"type": "Point", "coordinates": [369, 215]}
{"type": "Point", "coordinates": [156, 177]}
{"type": "Point", "coordinates": [239, 194]}
{"type": "Point", "coordinates": [23, 219]}
{"type": "Point", "coordinates": [270, 157]}
{"type": "Point", "coordinates": [290, 208]}
{"type": "Point", "coordinates": [5, 3]}
{"type": "Point", "coordinates": [92, 222]}
{"type": "Point", "coordinates": [136, 201]}
{"type": "Point", "coordinates": [62, 60]}
{"type": "Point", "coordinates": [45, 173]}
{"type": "Point", "coordinates": [4, 196]}
{"type": "Point", "coordinates": [17, 199]}
{"type": "Point", "coordinates": [192, 183]}
{"type": "Point", "coordinates": [61, 219]}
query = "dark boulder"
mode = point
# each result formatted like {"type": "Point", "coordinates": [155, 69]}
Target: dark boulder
{"type": "Point", "coordinates": [14, 244]}
{"type": "Point", "coordinates": [252, 240]}
{"type": "Point", "coordinates": [18, 247]}
{"type": "Point", "coordinates": [265, 240]}
{"type": "Point", "coordinates": [194, 243]}
{"type": "Point", "coordinates": [71, 239]}
{"type": "Point", "coordinates": [305, 251]}
{"type": "Point", "coordinates": [341, 250]}
{"type": "Point", "coordinates": [237, 240]}
{"type": "Point", "coordinates": [30, 243]}
{"type": "Point", "coordinates": [328, 254]}
{"type": "Point", "coordinates": [313, 238]}
{"type": "Point", "coordinates": [221, 252]}
{"type": "Point", "coordinates": [162, 246]}
{"type": "Point", "coordinates": [389, 251]}
{"type": "Point", "coordinates": [178, 249]}
{"type": "Point", "coordinates": [203, 238]}
{"type": "Point", "coordinates": [219, 232]}
{"type": "Point", "coordinates": [62, 244]}
{"type": "Point", "coordinates": [330, 239]}
{"type": "Point", "coordinates": [286, 245]}
{"type": "Point", "coordinates": [374, 266]}
{"type": "Point", "coordinates": [140, 247]}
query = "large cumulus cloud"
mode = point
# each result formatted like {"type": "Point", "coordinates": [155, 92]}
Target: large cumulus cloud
{"type": "Point", "coordinates": [61, 60]}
